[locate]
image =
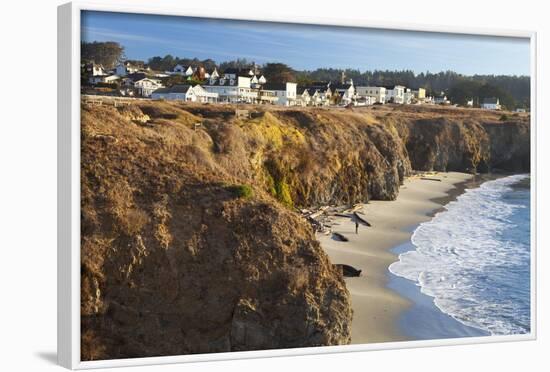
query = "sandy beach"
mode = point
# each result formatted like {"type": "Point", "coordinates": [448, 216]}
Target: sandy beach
{"type": "Point", "coordinates": [376, 307]}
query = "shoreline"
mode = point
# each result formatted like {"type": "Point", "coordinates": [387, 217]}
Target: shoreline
{"type": "Point", "coordinates": [378, 308]}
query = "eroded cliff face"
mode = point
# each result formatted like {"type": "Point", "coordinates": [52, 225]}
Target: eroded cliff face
{"type": "Point", "coordinates": [177, 260]}
{"type": "Point", "coordinates": [190, 240]}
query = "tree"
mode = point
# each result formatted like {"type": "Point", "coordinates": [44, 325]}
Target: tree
{"type": "Point", "coordinates": [278, 73]}
{"type": "Point", "coordinates": [463, 91]}
{"type": "Point", "coordinates": [107, 53]}
{"type": "Point", "coordinates": [239, 63]}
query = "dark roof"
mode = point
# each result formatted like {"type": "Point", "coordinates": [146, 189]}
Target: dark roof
{"type": "Point", "coordinates": [226, 83]}
{"type": "Point", "coordinates": [321, 89]}
{"type": "Point", "coordinates": [180, 88]}
{"type": "Point", "coordinates": [162, 90]}
{"type": "Point", "coordinates": [274, 86]}
{"type": "Point", "coordinates": [490, 100]}
{"type": "Point", "coordinates": [136, 76]}
{"type": "Point", "coordinates": [389, 86]}
{"type": "Point", "coordinates": [340, 86]}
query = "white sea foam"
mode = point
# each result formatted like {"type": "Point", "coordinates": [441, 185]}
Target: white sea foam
{"type": "Point", "coordinates": [473, 258]}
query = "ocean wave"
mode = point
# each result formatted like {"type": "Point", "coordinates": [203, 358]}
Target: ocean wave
{"type": "Point", "coordinates": [473, 258]}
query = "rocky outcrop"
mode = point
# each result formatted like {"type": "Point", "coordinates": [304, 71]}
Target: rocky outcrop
{"type": "Point", "coordinates": [190, 240]}
{"type": "Point", "coordinates": [510, 149]}
{"type": "Point", "coordinates": [467, 145]}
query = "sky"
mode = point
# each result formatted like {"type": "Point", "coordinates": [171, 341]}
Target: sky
{"type": "Point", "coordinates": [307, 47]}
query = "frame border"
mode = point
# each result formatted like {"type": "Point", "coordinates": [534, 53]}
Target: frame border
{"type": "Point", "coordinates": [68, 178]}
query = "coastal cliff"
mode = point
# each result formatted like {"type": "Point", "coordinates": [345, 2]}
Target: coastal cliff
{"type": "Point", "coordinates": [190, 241]}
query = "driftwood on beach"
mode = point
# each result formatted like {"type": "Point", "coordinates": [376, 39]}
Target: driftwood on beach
{"type": "Point", "coordinates": [430, 179]}
{"type": "Point", "coordinates": [348, 271]}
{"type": "Point", "coordinates": [340, 237]}
{"type": "Point", "coordinates": [321, 218]}
{"type": "Point", "coordinates": [361, 219]}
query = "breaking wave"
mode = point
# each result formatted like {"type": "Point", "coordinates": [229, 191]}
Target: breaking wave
{"type": "Point", "coordinates": [474, 257]}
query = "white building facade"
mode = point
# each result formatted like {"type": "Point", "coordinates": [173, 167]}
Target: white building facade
{"type": "Point", "coordinates": [145, 87]}
{"type": "Point", "coordinates": [233, 90]}
{"type": "Point", "coordinates": [286, 93]}
{"type": "Point", "coordinates": [377, 94]}
{"type": "Point", "coordinates": [396, 95]}
{"type": "Point", "coordinates": [185, 92]}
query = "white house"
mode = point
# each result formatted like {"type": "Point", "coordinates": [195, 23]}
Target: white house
{"type": "Point", "coordinates": [303, 98]}
{"type": "Point", "coordinates": [442, 100]}
{"type": "Point", "coordinates": [378, 94]}
{"type": "Point", "coordinates": [182, 70]}
{"type": "Point", "coordinates": [491, 103]}
{"type": "Point", "coordinates": [285, 92]}
{"type": "Point", "coordinates": [178, 70]}
{"type": "Point", "coordinates": [266, 96]}
{"type": "Point", "coordinates": [94, 69]}
{"type": "Point", "coordinates": [364, 101]}
{"type": "Point", "coordinates": [233, 90]}
{"type": "Point", "coordinates": [185, 92]}
{"type": "Point", "coordinates": [125, 68]}
{"type": "Point", "coordinates": [319, 95]}
{"type": "Point", "coordinates": [345, 90]}
{"type": "Point", "coordinates": [108, 79]}
{"type": "Point", "coordinates": [145, 87]}
{"type": "Point", "coordinates": [408, 96]}
{"type": "Point", "coordinates": [396, 95]}
{"type": "Point", "coordinates": [215, 74]}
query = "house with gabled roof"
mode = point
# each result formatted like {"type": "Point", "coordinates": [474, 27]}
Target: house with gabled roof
{"type": "Point", "coordinates": [346, 91]}
{"type": "Point", "coordinates": [185, 92]}
{"type": "Point", "coordinates": [302, 97]}
{"type": "Point", "coordinates": [106, 79]}
{"type": "Point", "coordinates": [125, 68]}
{"type": "Point", "coordinates": [232, 89]}
{"type": "Point", "coordinates": [320, 94]}
{"type": "Point", "coordinates": [491, 103]}
{"type": "Point", "coordinates": [214, 74]}
{"type": "Point", "coordinates": [95, 69]}
{"type": "Point", "coordinates": [145, 87]}
{"type": "Point", "coordinates": [178, 70]}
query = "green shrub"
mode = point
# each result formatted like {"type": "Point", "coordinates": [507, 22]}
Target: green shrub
{"type": "Point", "coordinates": [503, 117]}
{"type": "Point", "coordinates": [282, 191]}
{"type": "Point", "coordinates": [241, 191]}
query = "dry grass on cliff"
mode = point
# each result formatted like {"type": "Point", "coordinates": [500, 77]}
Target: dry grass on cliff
{"type": "Point", "coordinates": [178, 229]}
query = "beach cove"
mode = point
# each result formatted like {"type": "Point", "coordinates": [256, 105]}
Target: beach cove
{"type": "Point", "coordinates": [376, 305]}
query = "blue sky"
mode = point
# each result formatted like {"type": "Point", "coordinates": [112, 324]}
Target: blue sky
{"type": "Point", "coordinates": [307, 47]}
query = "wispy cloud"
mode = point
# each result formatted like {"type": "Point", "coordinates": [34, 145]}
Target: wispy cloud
{"type": "Point", "coordinates": [307, 46]}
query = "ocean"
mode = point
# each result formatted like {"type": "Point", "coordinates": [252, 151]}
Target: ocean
{"type": "Point", "coordinates": [467, 271]}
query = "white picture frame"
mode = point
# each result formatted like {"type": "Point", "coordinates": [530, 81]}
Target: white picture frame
{"type": "Point", "coordinates": [69, 183]}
